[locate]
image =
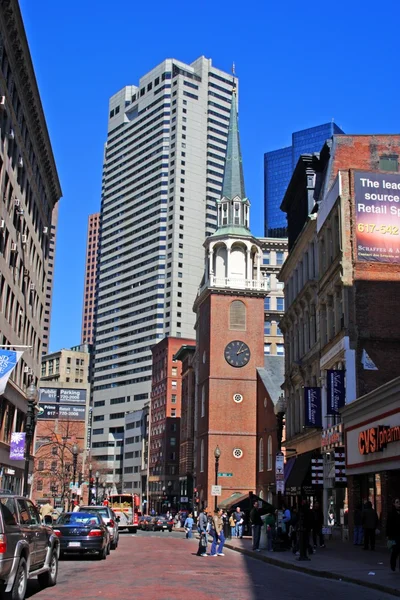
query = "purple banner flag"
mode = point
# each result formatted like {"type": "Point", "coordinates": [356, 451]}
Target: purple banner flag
{"type": "Point", "coordinates": [17, 448]}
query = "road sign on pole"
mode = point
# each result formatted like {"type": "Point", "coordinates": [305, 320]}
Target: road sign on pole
{"type": "Point", "coordinates": [216, 490]}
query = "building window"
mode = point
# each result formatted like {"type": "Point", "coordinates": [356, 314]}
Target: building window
{"type": "Point", "coordinates": [267, 327]}
{"type": "Point", "coordinates": [173, 412]}
{"type": "Point", "coordinates": [267, 349]}
{"type": "Point", "coordinates": [389, 163]}
{"type": "Point", "coordinates": [237, 316]}
{"type": "Point", "coordinates": [280, 349]}
{"type": "Point", "coordinates": [41, 465]}
{"type": "Point", "coordinates": [174, 384]}
{"type": "Point", "coordinates": [174, 371]}
{"type": "Point", "coordinates": [39, 485]}
{"type": "Point", "coordinates": [267, 303]}
{"type": "Point", "coordinates": [203, 401]}
{"type": "Point", "coordinates": [279, 258]}
{"type": "Point", "coordinates": [172, 441]}
{"type": "Point", "coordinates": [266, 258]}
{"type": "Point", "coordinates": [280, 304]}
{"type": "Point", "coordinates": [202, 456]}
{"type": "Point", "coordinates": [269, 453]}
{"type": "Point", "coordinates": [173, 399]}
{"type": "Point", "coordinates": [261, 455]}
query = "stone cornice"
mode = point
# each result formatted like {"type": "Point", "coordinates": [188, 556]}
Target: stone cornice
{"type": "Point", "coordinates": [18, 53]}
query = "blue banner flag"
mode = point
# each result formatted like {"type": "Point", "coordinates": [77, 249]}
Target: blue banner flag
{"type": "Point", "coordinates": [8, 360]}
{"type": "Point", "coordinates": [336, 393]}
{"type": "Point", "coordinates": [312, 406]}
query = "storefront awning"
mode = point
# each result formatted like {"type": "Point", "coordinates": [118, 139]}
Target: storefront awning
{"type": "Point", "coordinates": [299, 474]}
{"type": "Point", "coordinates": [245, 502]}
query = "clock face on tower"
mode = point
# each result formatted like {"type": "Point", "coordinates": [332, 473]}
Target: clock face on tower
{"type": "Point", "coordinates": [237, 353]}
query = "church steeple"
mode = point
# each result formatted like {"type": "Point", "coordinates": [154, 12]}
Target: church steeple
{"type": "Point", "coordinates": [233, 206]}
{"type": "Point", "coordinates": [233, 184]}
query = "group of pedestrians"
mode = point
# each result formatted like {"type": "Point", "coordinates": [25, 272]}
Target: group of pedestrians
{"type": "Point", "coordinates": [213, 526]}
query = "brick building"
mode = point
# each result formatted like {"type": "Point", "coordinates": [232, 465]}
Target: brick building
{"type": "Point", "coordinates": [186, 355]}
{"type": "Point", "coordinates": [165, 413]}
{"type": "Point", "coordinates": [342, 269]}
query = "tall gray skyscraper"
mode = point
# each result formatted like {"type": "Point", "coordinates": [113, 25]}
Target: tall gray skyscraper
{"type": "Point", "coordinates": [163, 169]}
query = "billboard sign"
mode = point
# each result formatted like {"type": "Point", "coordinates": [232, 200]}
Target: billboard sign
{"type": "Point", "coordinates": [313, 408]}
{"type": "Point", "coordinates": [377, 205]}
{"type": "Point", "coordinates": [66, 396]}
{"type": "Point", "coordinates": [62, 411]}
{"type": "Point", "coordinates": [336, 392]}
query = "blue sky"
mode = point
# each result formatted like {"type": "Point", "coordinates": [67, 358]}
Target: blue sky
{"type": "Point", "coordinates": [300, 64]}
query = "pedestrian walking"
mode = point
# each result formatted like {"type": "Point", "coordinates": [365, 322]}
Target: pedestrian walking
{"type": "Point", "coordinates": [188, 525]}
{"type": "Point", "coordinates": [232, 524]}
{"type": "Point", "coordinates": [270, 526]}
{"type": "Point", "coordinates": [293, 531]}
{"type": "Point", "coordinates": [317, 524]}
{"type": "Point", "coordinates": [238, 516]}
{"type": "Point", "coordinates": [202, 529]}
{"type": "Point", "coordinates": [217, 534]}
{"type": "Point", "coordinates": [393, 533]}
{"type": "Point", "coordinates": [370, 523]}
{"type": "Point", "coordinates": [256, 523]}
{"type": "Point", "coordinates": [358, 534]}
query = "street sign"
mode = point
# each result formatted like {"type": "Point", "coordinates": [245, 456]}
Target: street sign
{"type": "Point", "coordinates": [225, 474]}
{"type": "Point", "coordinates": [216, 490]}
{"type": "Point", "coordinates": [279, 463]}
{"type": "Point", "coordinates": [280, 487]}
{"type": "Point", "coordinates": [184, 499]}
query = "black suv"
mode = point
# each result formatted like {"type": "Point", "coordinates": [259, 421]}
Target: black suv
{"type": "Point", "coordinates": [27, 548]}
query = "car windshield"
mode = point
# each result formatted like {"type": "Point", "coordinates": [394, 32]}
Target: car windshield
{"type": "Point", "coordinates": [78, 518]}
{"type": "Point", "coordinates": [100, 511]}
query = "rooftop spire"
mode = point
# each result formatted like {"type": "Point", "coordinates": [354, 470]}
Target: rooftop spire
{"type": "Point", "coordinates": [233, 184]}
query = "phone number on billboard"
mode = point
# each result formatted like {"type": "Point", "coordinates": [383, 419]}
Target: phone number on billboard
{"type": "Point", "coordinates": [385, 229]}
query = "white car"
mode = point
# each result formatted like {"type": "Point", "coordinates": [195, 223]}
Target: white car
{"type": "Point", "coordinates": [109, 518]}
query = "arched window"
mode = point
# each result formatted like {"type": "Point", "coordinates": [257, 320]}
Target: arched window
{"type": "Point", "coordinates": [237, 315]}
{"type": "Point", "coordinates": [269, 452]}
{"type": "Point", "coordinates": [202, 456]}
{"type": "Point", "coordinates": [261, 455]}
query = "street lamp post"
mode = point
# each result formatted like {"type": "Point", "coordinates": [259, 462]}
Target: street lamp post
{"type": "Point", "coordinates": [90, 484]}
{"type": "Point", "coordinates": [74, 463]}
{"type": "Point", "coordinates": [29, 430]}
{"type": "Point", "coordinates": [97, 475]}
{"type": "Point", "coordinates": [217, 454]}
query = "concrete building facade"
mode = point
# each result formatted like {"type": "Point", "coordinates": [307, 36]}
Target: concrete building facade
{"type": "Point", "coordinates": [89, 299]}
{"type": "Point", "coordinates": [135, 460]}
{"type": "Point", "coordinates": [162, 174]}
{"type": "Point", "coordinates": [29, 192]}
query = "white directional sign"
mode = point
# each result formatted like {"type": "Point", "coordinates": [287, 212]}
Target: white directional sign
{"type": "Point", "coordinates": [216, 490]}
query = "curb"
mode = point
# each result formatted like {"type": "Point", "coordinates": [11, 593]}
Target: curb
{"type": "Point", "coordinates": [314, 572]}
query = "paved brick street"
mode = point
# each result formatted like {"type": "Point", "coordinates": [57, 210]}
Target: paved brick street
{"type": "Point", "coordinates": [163, 566]}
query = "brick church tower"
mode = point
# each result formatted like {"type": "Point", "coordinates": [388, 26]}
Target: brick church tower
{"type": "Point", "coordinates": [230, 339]}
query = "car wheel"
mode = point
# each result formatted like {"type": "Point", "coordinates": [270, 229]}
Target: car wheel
{"type": "Point", "coordinates": [49, 578]}
{"type": "Point", "coordinates": [102, 555]}
{"type": "Point", "coordinates": [20, 582]}
{"type": "Point", "coordinates": [114, 545]}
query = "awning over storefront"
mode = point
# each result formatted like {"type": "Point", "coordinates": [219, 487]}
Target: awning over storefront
{"type": "Point", "coordinates": [289, 464]}
{"type": "Point", "coordinates": [299, 475]}
{"type": "Point", "coordinates": [244, 501]}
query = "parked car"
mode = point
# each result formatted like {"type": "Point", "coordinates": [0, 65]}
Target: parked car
{"type": "Point", "coordinates": [145, 522]}
{"type": "Point", "coordinates": [82, 532]}
{"type": "Point", "coordinates": [109, 518]}
{"type": "Point", "coordinates": [27, 547]}
{"type": "Point", "coordinates": [159, 523]}
{"type": "Point", "coordinates": [170, 522]}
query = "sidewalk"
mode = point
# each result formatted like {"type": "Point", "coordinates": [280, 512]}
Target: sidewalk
{"type": "Point", "coordinates": [339, 560]}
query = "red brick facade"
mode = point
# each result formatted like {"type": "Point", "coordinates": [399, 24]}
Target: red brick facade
{"type": "Point", "coordinates": [267, 449]}
{"type": "Point", "coordinates": [221, 421]}
{"type": "Point", "coordinates": [165, 423]}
